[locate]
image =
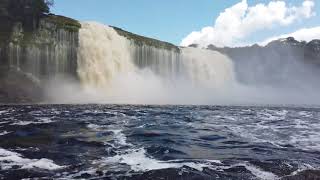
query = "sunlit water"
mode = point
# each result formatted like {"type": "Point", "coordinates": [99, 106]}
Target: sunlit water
{"type": "Point", "coordinates": [157, 142]}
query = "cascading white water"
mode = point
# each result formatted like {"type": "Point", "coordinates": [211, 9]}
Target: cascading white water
{"type": "Point", "coordinates": [163, 62]}
{"type": "Point", "coordinates": [118, 71]}
{"type": "Point", "coordinates": [103, 55]}
{"type": "Point", "coordinates": [208, 68]}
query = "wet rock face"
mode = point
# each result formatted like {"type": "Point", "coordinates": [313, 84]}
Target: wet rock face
{"type": "Point", "coordinates": [48, 51]}
{"type": "Point", "coordinates": [38, 47]}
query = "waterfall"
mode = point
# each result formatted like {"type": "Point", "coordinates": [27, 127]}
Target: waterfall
{"type": "Point", "coordinates": [103, 55]}
{"type": "Point", "coordinates": [115, 69]}
{"type": "Point", "coordinates": [207, 68]}
{"type": "Point", "coordinates": [162, 62]}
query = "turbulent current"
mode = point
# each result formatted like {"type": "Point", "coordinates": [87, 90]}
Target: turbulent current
{"type": "Point", "coordinates": [159, 142]}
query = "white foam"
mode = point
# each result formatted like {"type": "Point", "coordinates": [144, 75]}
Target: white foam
{"type": "Point", "coordinates": [298, 131]}
{"type": "Point", "coordinates": [260, 173]}
{"type": "Point", "coordinates": [140, 162]}
{"type": "Point", "coordinates": [42, 164]}
{"type": "Point", "coordinates": [118, 136]}
{"type": "Point", "coordinates": [43, 120]}
{"type": "Point", "coordinates": [74, 175]}
{"type": "Point", "coordinates": [273, 114]}
{"type": "Point", "coordinates": [3, 112]}
{"type": "Point", "coordinates": [9, 159]}
{"type": "Point", "coordinates": [305, 114]}
{"type": "Point", "coordinates": [4, 133]}
{"type": "Point", "coordinates": [121, 139]}
{"type": "Point", "coordinates": [303, 167]}
{"type": "Point", "coordinates": [94, 127]}
{"type": "Point", "coordinates": [306, 140]}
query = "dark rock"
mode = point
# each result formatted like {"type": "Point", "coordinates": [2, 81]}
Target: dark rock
{"type": "Point", "coordinates": [99, 173]}
{"type": "Point", "coordinates": [194, 45]}
{"type": "Point", "coordinates": [85, 175]}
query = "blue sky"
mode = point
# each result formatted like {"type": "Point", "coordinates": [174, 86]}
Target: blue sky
{"type": "Point", "coordinates": [168, 20]}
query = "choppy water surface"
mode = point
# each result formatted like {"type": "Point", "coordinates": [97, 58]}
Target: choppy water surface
{"type": "Point", "coordinates": [159, 142]}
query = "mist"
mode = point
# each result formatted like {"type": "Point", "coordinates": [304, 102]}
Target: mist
{"type": "Point", "coordinates": [286, 68]}
{"type": "Point", "coordinates": [113, 70]}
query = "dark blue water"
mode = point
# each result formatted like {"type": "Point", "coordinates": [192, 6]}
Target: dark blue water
{"type": "Point", "coordinates": [159, 142]}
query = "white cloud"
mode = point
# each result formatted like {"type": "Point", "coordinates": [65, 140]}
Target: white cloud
{"type": "Point", "coordinates": [240, 20]}
{"type": "Point", "coordinates": [306, 34]}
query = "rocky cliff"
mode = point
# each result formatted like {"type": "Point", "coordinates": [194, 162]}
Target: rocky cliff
{"type": "Point", "coordinates": [33, 49]}
{"type": "Point", "coordinates": [148, 52]}
{"type": "Point", "coordinates": [141, 40]}
{"type": "Point", "coordinates": [283, 62]}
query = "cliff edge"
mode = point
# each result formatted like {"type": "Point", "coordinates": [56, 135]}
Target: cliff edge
{"type": "Point", "coordinates": [35, 46]}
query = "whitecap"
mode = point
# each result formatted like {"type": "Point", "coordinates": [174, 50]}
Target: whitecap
{"type": "Point", "coordinates": [9, 159]}
{"type": "Point", "coordinates": [4, 133]}
{"type": "Point", "coordinates": [139, 162]}
{"type": "Point", "coordinates": [3, 112]}
{"type": "Point", "coordinates": [94, 127]}
{"type": "Point", "coordinates": [43, 120]}
{"type": "Point", "coordinates": [259, 173]}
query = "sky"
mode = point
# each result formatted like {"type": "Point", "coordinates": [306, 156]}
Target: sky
{"type": "Point", "coordinates": [218, 22]}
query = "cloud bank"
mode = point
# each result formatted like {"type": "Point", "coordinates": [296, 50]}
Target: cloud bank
{"type": "Point", "coordinates": [240, 21]}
